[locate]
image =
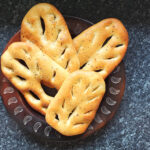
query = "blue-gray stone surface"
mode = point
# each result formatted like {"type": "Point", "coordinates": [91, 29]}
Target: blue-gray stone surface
{"type": "Point", "coordinates": [130, 128]}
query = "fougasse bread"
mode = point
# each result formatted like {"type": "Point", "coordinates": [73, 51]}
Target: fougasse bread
{"type": "Point", "coordinates": [44, 26]}
{"type": "Point", "coordinates": [101, 47]}
{"type": "Point", "coordinates": [27, 67]}
{"type": "Point", "coordinates": [76, 103]}
{"type": "Point", "coordinates": [76, 68]}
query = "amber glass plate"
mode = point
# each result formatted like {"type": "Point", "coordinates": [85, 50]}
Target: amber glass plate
{"type": "Point", "coordinates": [35, 123]}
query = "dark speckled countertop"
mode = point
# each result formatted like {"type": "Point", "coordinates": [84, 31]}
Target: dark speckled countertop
{"type": "Point", "coordinates": [130, 128]}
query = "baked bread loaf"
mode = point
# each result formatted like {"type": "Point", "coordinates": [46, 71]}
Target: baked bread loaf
{"type": "Point", "coordinates": [76, 103]}
{"type": "Point", "coordinates": [27, 67]}
{"type": "Point", "coordinates": [77, 68]}
{"type": "Point", "coordinates": [44, 26]}
{"type": "Point", "coordinates": [101, 47]}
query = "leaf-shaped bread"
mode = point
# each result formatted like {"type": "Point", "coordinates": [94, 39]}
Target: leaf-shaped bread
{"type": "Point", "coordinates": [27, 67]}
{"type": "Point", "coordinates": [101, 47]}
{"type": "Point", "coordinates": [44, 26]}
{"type": "Point", "coordinates": [76, 103]}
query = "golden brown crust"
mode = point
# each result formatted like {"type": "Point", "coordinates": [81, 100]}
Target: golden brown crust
{"type": "Point", "coordinates": [76, 103]}
{"type": "Point", "coordinates": [27, 78]}
{"type": "Point", "coordinates": [53, 38]}
{"type": "Point", "coordinates": [100, 48]}
{"type": "Point", "coordinates": [93, 54]}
